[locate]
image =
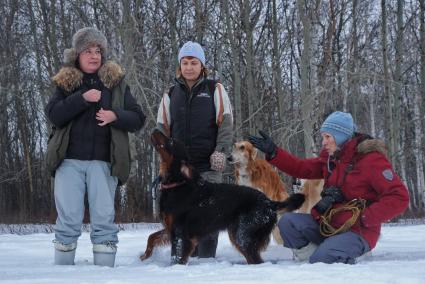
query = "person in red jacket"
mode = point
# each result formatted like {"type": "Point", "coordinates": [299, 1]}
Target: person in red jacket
{"type": "Point", "coordinates": [355, 168]}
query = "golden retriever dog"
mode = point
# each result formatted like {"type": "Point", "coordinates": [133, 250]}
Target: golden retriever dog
{"type": "Point", "coordinates": [258, 174]}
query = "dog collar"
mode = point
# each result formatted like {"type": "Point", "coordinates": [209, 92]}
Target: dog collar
{"type": "Point", "coordinates": [171, 185]}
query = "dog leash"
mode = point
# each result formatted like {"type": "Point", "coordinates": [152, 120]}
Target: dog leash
{"type": "Point", "coordinates": [171, 185]}
{"type": "Point", "coordinates": [356, 206]}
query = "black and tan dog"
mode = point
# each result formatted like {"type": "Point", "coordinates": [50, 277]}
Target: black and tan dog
{"type": "Point", "coordinates": [191, 208]}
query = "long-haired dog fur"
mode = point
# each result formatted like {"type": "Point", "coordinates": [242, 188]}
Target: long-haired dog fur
{"type": "Point", "coordinates": [256, 173]}
{"type": "Point", "coordinates": [191, 208]}
{"type": "Point", "coordinates": [259, 174]}
{"type": "Point", "coordinates": [311, 188]}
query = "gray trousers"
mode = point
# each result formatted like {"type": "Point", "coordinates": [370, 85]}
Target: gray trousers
{"type": "Point", "coordinates": [297, 230]}
{"type": "Point", "coordinates": [208, 245]}
{"type": "Point", "coordinates": [73, 178]}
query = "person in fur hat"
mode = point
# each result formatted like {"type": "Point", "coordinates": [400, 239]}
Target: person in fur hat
{"type": "Point", "coordinates": [92, 111]}
{"type": "Point", "coordinates": [361, 192]}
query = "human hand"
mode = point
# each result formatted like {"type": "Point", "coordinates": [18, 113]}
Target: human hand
{"type": "Point", "coordinates": [105, 116]}
{"type": "Point", "coordinates": [92, 95]}
{"type": "Point", "coordinates": [265, 144]}
{"type": "Point", "coordinates": [330, 195]}
{"type": "Point", "coordinates": [218, 161]}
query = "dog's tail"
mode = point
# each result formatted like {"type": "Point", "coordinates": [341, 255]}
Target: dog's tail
{"type": "Point", "coordinates": [293, 202]}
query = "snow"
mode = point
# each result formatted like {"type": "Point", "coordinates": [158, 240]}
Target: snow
{"type": "Point", "coordinates": [398, 258]}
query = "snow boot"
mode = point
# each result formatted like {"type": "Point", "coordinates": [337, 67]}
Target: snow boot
{"type": "Point", "coordinates": [365, 256]}
{"type": "Point", "coordinates": [304, 253]}
{"type": "Point", "coordinates": [207, 248]}
{"type": "Point", "coordinates": [64, 254]}
{"type": "Point", "coordinates": [104, 254]}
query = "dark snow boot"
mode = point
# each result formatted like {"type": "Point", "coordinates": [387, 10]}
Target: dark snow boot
{"type": "Point", "coordinates": [207, 246]}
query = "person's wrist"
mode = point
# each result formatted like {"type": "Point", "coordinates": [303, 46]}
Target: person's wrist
{"type": "Point", "coordinates": [323, 205]}
{"type": "Point", "coordinates": [271, 154]}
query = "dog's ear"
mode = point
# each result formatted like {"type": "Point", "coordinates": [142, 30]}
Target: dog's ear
{"type": "Point", "coordinates": [254, 153]}
{"type": "Point", "coordinates": [186, 170]}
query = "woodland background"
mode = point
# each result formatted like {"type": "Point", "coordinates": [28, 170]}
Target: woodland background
{"type": "Point", "coordinates": [285, 65]}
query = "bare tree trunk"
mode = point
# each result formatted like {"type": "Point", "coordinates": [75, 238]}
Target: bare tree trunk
{"type": "Point", "coordinates": [353, 82]}
{"type": "Point", "coordinates": [277, 70]}
{"type": "Point", "coordinates": [306, 91]}
{"type": "Point", "coordinates": [418, 116]}
{"type": "Point", "coordinates": [371, 101]}
{"type": "Point", "coordinates": [398, 85]}
{"type": "Point", "coordinates": [201, 19]}
{"type": "Point", "coordinates": [253, 97]}
{"type": "Point", "coordinates": [236, 73]}
{"type": "Point", "coordinates": [389, 130]}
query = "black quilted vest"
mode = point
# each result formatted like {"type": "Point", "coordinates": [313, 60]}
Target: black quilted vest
{"type": "Point", "coordinates": [193, 120]}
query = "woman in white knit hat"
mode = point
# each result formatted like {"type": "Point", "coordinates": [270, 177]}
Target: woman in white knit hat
{"type": "Point", "coordinates": [92, 111]}
{"type": "Point", "coordinates": [197, 111]}
{"type": "Point", "coordinates": [361, 192]}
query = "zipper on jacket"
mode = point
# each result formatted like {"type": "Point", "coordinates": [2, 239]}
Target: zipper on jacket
{"type": "Point", "coordinates": [187, 131]}
{"type": "Point", "coordinates": [188, 137]}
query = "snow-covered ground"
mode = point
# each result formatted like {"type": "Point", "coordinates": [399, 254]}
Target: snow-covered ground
{"type": "Point", "coordinates": [398, 258]}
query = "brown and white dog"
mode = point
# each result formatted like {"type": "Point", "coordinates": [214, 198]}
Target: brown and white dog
{"type": "Point", "coordinates": [311, 189]}
{"type": "Point", "coordinates": [258, 174]}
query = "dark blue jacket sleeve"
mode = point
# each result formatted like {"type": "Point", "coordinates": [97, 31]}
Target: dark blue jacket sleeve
{"type": "Point", "coordinates": [62, 108]}
{"type": "Point", "coordinates": [131, 118]}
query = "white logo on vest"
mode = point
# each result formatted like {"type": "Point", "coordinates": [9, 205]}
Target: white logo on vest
{"type": "Point", "coordinates": [204, 95]}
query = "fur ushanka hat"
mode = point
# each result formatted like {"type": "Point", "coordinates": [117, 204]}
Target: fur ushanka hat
{"type": "Point", "coordinates": [81, 40]}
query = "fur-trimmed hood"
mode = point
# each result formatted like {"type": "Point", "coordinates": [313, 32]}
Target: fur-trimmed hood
{"type": "Point", "coordinates": [372, 145]}
{"type": "Point", "coordinates": [358, 146]}
{"type": "Point", "coordinates": [70, 78]}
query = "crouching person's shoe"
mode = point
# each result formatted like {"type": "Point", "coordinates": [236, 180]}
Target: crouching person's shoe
{"type": "Point", "coordinates": [104, 254]}
{"type": "Point", "coordinates": [64, 254]}
{"type": "Point", "coordinates": [304, 253]}
{"type": "Point", "coordinates": [365, 256]}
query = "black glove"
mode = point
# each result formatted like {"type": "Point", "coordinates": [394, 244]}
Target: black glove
{"type": "Point", "coordinates": [330, 195]}
{"type": "Point", "coordinates": [264, 144]}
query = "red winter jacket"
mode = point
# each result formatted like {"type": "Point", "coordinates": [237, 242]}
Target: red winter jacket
{"type": "Point", "coordinates": [372, 178]}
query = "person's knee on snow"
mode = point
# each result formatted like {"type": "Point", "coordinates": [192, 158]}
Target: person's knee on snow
{"type": "Point", "coordinates": [342, 248]}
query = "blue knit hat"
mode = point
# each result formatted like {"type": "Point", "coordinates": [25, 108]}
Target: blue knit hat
{"type": "Point", "coordinates": [192, 49]}
{"type": "Point", "coordinates": [340, 125]}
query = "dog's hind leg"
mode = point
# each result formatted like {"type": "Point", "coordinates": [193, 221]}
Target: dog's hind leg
{"type": "Point", "coordinates": [251, 234]}
{"type": "Point", "coordinates": [248, 249]}
{"type": "Point", "coordinates": [158, 238]}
